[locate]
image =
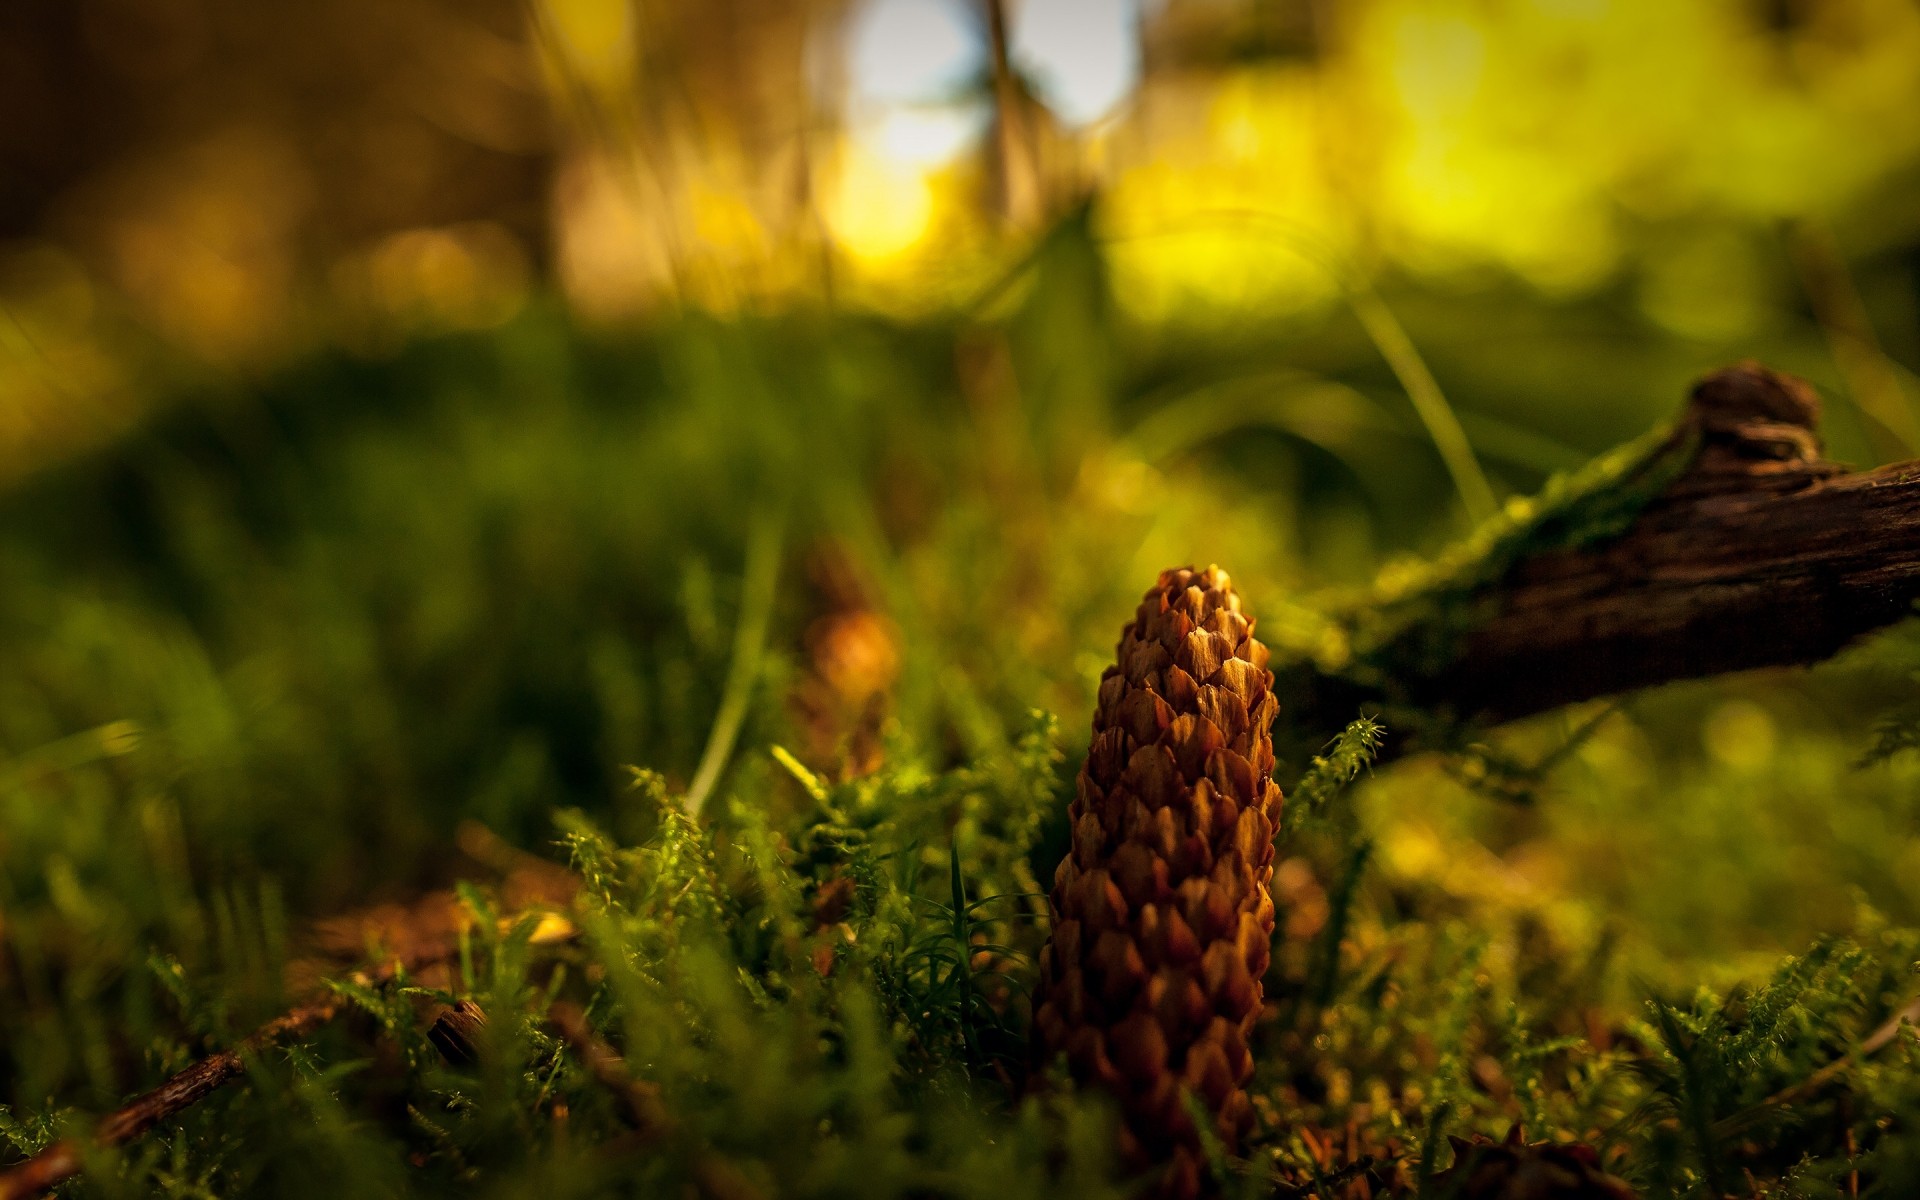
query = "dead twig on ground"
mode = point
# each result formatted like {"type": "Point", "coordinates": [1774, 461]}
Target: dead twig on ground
{"type": "Point", "coordinates": [64, 1159]}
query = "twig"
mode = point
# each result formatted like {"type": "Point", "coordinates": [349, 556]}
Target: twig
{"type": "Point", "coordinates": [64, 1159]}
{"type": "Point", "coordinates": [713, 1177]}
{"type": "Point", "coordinates": [641, 1099]}
{"type": "Point", "coordinates": [1871, 1045]}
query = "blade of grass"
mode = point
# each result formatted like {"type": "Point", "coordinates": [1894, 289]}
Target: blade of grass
{"type": "Point", "coordinates": [1390, 338]}
{"type": "Point", "coordinates": [1327, 976]}
{"type": "Point", "coordinates": [749, 644]}
{"type": "Point", "coordinates": [1449, 439]}
{"type": "Point", "coordinates": [1872, 379]}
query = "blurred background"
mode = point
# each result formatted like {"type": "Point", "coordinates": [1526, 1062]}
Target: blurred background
{"type": "Point", "coordinates": [412, 411]}
{"type": "Point", "coordinates": [202, 179]}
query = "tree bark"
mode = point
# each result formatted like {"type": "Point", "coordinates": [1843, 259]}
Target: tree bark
{"type": "Point", "coordinates": [1759, 553]}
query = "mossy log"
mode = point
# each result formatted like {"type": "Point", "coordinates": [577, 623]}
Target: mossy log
{"type": "Point", "coordinates": [1724, 543]}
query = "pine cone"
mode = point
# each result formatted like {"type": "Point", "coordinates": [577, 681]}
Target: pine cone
{"type": "Point", "coordinates": [1515, 1170]}
{"type": "Point", "coordinates": [1162, 917]}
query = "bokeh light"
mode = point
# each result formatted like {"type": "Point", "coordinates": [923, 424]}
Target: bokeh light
{"type": "Point", "coordinates": [1245, 161]}
{"type": "Point", "coordinates": [1084, 55]}
{"type": "Point", "coordinates": [913, 51]}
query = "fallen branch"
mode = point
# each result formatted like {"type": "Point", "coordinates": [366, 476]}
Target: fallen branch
{"type": "Point", "coordinates": [713, 1177]}
{"type": "Point", "coordinates": [427, 945]}
{"type": "Point", "coordinates": [1726, 545]}
{"type": "Point", "coordinates": [1885, 1035]}
{"type": "Point", "coordinates": [64, 1159]}
{"type": "Point", "coordinates": [640, 1099]}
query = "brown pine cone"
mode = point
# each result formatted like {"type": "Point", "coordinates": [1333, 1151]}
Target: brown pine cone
{"type": "Point", "coordinates": [1515, 1170]}
{"type": "Point", "coordinates": [1162, 917]}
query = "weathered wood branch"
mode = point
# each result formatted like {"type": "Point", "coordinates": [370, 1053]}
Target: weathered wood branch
{"type": "Point", "coordinates": [422, 935]}
{"type": "Point", "coordinates": [714, 1178]}
{"type": "Point", "coordinates": [64, 1159]}
{"type": "Point", "coordinates": [1756, 553]}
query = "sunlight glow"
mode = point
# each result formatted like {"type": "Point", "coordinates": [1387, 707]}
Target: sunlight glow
{"type": "Point", "coordinates": [878, 209]}
{"type": "Point", "coordinates": [924, 136]}
{"type": "Point", "coordinates": [913, 50]}
{"type": "Point", "coordinates": [1084, 55]}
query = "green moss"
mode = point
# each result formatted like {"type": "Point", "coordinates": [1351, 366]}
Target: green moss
{"type": "Point", "coordinates": [264, 658]}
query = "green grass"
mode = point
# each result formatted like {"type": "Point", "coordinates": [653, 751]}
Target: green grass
{"type": "Point", "coordinates": [264, 656]}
